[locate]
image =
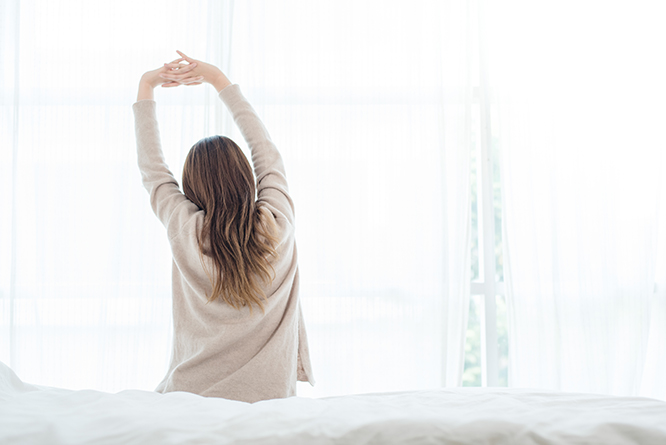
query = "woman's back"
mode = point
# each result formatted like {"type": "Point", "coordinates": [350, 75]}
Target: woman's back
{"type": "Point", "coordinates": [243, 354]}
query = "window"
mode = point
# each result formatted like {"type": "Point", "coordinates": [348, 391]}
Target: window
{"type": "Point", "coordinates": [486, 345]}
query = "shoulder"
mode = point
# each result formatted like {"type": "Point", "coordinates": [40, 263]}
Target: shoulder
{"type": "Point", "coordinates": [186, 220]}
{"type": "Point", "coordinates": [271, 217]}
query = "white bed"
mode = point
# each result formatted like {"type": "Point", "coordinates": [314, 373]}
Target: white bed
{"type": "Point", "coordinates": [34, 415]}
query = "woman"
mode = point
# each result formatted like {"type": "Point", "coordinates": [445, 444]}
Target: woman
{"type": "Point", "coordinates": [238, 326]}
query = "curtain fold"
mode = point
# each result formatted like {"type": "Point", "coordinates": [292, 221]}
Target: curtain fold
{"type": "Point", "coordinates": [653, 383]}
{"type": "Point", "coordinates": [581, 160]}
{"type": "Point", "coordinates": [456, 71]}
{"type": "Point", "coordinates": [9, 21]}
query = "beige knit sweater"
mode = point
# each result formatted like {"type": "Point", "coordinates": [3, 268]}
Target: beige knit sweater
{"type": "Point", "coordinates": [220, 351]}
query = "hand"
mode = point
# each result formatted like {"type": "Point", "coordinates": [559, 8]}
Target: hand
{"type": "Point", "coordinates": [184, 74]}
{"type": "Point", "coordinates": [153, 79]}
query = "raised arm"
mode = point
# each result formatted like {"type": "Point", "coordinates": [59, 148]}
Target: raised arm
{"type": "Point", "coordinates": [165, 195]}
{"type": "Point", "coordinates": [269, 170]}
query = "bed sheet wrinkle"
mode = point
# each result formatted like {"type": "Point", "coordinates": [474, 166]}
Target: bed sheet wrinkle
{"type": "Point", "coordinates": [10, 384]}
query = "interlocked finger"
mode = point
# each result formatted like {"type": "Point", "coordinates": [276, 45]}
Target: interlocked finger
{"type": "Point", "coordinates": [186, 68]}
{"type": "Point", "coordinates": [183, 79]}
{"type": "Point", "coordinates": [177, 76]}
{"type": "Point", "coordinates": [184, 57]}
{"type": "Point", "coordinates": [191, 80]}
{"type": "Point", "coordinates": [174, 62]}
{"type": "Point", "coordinates": [179, 67]}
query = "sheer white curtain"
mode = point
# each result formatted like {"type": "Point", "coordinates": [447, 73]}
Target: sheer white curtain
{"type": "Point", "coordinates": [84, 265]}
{"type": "Point", "coordinates": [370, 107]}
{"type": "Point", "coordinates": [580, 92]}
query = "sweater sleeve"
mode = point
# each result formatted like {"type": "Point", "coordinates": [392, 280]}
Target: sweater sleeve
{"type": "Point", "coordinates": [165, 195]}
{"type": "Point", "coordinates": [268, 166]}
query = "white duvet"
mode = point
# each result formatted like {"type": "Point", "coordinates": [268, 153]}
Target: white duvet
{"type": "Point", "coordinates": [37, 415]}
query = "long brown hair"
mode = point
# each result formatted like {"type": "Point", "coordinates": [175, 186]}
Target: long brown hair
{"type": "Point", "coordinates": [238, 235]}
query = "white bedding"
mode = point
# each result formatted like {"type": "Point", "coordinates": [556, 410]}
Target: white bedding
{"type": "Point", "coordinates": [36, 415]}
